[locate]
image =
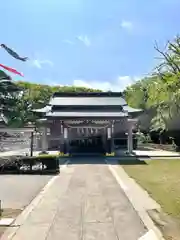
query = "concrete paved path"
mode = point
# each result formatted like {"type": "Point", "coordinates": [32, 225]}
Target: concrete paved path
{"type": "Point", "coordinates": [84, 203]}
{"type": "Point", "coordinates": [13, 189]}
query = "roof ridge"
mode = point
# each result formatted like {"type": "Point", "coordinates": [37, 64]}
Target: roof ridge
{"type": "Point", "coordinates": [88, 94]}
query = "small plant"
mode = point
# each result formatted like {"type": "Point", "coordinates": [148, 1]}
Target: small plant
{"type": "Point", "coordinates": [110, 154]}
{"type": "Point", "coordinates": [64, 154]}
{"type": "Point", "coordinates": [175, 147]}
{"type": "Point", "coordinates": [143, 138]}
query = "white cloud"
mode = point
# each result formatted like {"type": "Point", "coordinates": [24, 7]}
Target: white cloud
{"type": "Point", "coordinates": [39, 63]}
{"type": "Point", "coordinates": [118, 85]}
{"type": "Point", "coordinates": [85, 40]}
{"type": "Point", "coordinates": [68, 42]}
{"type": "Point", "coordinates": [127, 25]}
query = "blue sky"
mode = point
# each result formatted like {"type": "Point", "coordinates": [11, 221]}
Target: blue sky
{"type": "Point", "coordinates": [99, 43]}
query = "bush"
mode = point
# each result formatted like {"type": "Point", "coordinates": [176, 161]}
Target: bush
{"type": "Point", "coordinates": [40, 164]}
{"type": "Point", "coordinates": [51, 162]}
{"type": "Point", "coordinates": [143, 138]}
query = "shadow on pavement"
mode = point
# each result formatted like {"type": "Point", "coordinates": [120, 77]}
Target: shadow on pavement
{"type": "Point", "coordinates": [134, 161]}
{"type": "Point", "coordinates": [102, 160]}
{"type": "Point", "coordinates": [88, 160]}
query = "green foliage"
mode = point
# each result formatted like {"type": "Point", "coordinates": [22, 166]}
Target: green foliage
{"type": "Point", "coordinates": [142, 138]}
{"type": "Point", "coordinates": [161, 90]}
{"type": "Point", "coordinates": [8, 92]}
{"type": "Point", "coordinates": [35, 96]}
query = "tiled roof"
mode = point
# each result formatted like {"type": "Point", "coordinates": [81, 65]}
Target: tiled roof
{"type": "Point", "coordinates": [86, 114]}
{"type": "Point", "coordinates": [131, 110]}
{"type": "Point", "coordinates": [87, 101]}
{"type": "Point", "coordinates": [88, 94]}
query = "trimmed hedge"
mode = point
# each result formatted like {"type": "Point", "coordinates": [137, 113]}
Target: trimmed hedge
{"type": "Point", "coordinates": [38, 164]}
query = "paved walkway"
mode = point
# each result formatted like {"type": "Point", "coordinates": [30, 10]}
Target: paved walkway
{"type": "Point", "coordinates": [84, 202]}
{"type": "Point", "coordinates": [13, 189]}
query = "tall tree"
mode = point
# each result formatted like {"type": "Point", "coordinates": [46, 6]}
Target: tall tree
{"type": "Point", "coordinates": [162, 88]}
{"type": "Point", "coordinates": [8, 91]}
{"type": "Point", "coordinates": [167, 94]}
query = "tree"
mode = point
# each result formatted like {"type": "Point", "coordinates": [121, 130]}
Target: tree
{"type": "Point", "coordinates": [8, 91]}
{"type": "Point", "coordinates": [34, 96]}
{"type": "Point", "coordinates": [168, 94]}
{"type": "Point", "coordinates": [162, 89]}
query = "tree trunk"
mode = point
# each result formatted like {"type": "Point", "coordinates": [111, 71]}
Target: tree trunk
{"type": "Point", "coordinates": [161, 138]}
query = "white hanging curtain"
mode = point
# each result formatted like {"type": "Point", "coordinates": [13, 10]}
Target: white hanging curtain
{"type": "Point", "coordinates": [109, 132]}
{"type": "Point", "coordinates": [61, 128]}
{"type": "Point", "coordinates": [65, 133]}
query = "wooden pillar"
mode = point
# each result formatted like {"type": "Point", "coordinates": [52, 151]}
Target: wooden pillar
{"type": "Point", "coordinates": [44, 139]}
{"type": "Point", "coordinates": [38, 142]}
{"type": "Point", "coordinates": [112, 136]}
{"type": "Point", "coordinates": [32, 144]}
{"type": "Point", "coordinates": [131, 123]}
{"type": "Point", "coordinates": [62, 137]}
{"type": "Point", "coordinates": [104, 139]}
{"type": "Point", "coordinates": [109, 139]}
{"type": "Point", "coordinates": [130, 140]}
{"type": "Point", "coordinates": [66, 141]}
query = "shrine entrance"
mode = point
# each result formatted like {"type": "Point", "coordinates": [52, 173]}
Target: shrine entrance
{"type": "Point", "coordinates": [87, 137]}
{"type": "Point", "coordinates": [87, 145]}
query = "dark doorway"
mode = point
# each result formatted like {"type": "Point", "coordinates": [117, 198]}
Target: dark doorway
{"type": "Point", "coordinates": [87, 145]}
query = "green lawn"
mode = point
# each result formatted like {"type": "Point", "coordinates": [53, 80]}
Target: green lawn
{"type": "Point", "coordinates": [161, 178]}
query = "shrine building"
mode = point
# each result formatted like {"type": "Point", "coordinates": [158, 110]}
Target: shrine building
{"type": "Point", "coordinates": [87, 122]}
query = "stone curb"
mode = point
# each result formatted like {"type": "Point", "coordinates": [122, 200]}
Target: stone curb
{"type": "Point", "coordinates": [10, 232]}
{"type": "Point", "coordinates": [153, 232]}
